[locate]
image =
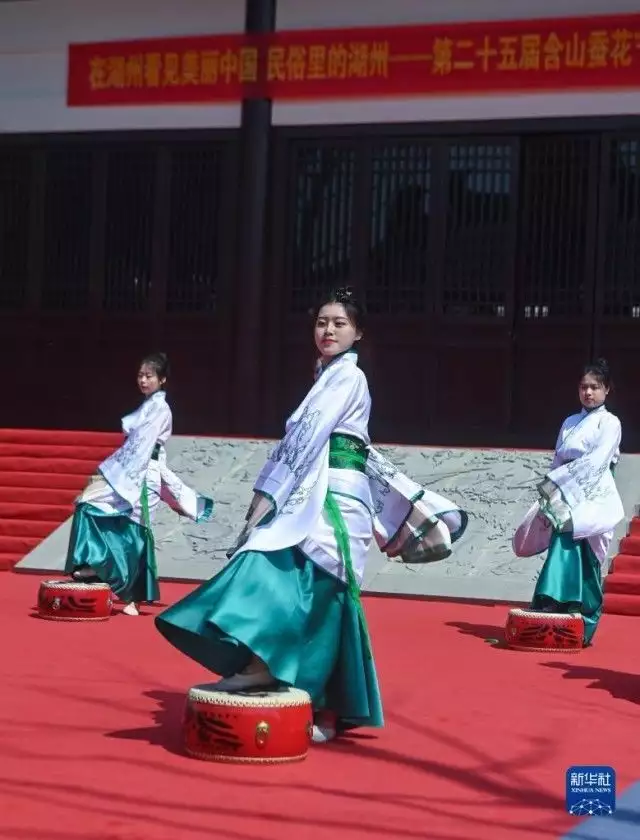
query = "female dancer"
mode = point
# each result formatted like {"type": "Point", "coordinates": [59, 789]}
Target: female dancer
{"type": "Point", "coordinates": [111, 537]}
{"type": "Point", "coordinates": [578, 508]}
{"type": "Point", "coordinates": [286, 609]}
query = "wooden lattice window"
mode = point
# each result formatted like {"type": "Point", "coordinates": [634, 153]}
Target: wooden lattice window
{"type": "Point", "coordinates": [129, 228]}
{"type": "Point", "coordinates": [478, 247]}
{"type": "Point", "coordinates": [555, 248]}
{"type": "Point", "coordinates": [67, 228]}
{"type": "Point", "coordinates": [319, 221]}
{"type": "Point", "coordinates": [15, 192]}
{"type": "Point", "coordinates": [197, 200]}
{"type": "Point", "coordinates": [397, 274]}
{"type": "Point", "coordinates": [621, 240]}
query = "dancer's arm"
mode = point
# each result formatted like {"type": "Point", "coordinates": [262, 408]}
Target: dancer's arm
{"type": "Point", "coordinates": [566, 486]}
{"type": "Point", "coordinates": [126, 469]}
{"type": "Point", "coordinates": [307, 437]}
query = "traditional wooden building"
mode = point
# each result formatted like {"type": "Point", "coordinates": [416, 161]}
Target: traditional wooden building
{"type": "Point", "coordinates": [493, 226]}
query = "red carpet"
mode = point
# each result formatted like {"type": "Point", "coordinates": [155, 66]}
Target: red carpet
{"type": "Point", "coordinates": [622, 585]}
{"type": "Point", "coordinates": [41, 473]}
{"type": "Point", "coordinates": [477, 741]}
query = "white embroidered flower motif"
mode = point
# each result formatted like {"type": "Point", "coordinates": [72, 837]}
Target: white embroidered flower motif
{"type": "Point", "coordinates": [380, 468]}
{"type": "Point", "coordinates": [294, 450]}
{"type": "Point", "coordinates": [128, 457]}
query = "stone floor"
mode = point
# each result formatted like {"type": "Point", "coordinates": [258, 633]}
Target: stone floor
{"type": "Point", "coordinates": [495, 487]}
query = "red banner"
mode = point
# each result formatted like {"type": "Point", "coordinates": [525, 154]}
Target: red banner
{"type": "Point", "coordinates": [169, 71]}
{"type": "Point", "coordinates": [554, 54]}
{"type": "Point", "coordinates": [462, 58]}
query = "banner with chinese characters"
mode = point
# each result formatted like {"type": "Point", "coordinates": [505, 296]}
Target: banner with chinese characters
{"type": "Point", "coordinates": [169, 71]}
{"type": "Point", "coordinates": [458, 58]}
{"type": "Point", "coordinates": [474, 58]}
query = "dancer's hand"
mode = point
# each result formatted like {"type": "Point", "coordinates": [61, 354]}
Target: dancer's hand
{"type": "Point", "coordinates": [252, 506]}
{"type": "Point", "coordinates": [261, 506]}
{"type": "Point", "coordinates": [244, 536]}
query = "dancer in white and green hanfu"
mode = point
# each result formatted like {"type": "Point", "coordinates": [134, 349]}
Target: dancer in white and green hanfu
{"type": "Point", "coordinates": [578, 508]}
{"type": "Point", "coordinates": [111, 538]}
{"type": "Point", "coordinates": [287, 609]}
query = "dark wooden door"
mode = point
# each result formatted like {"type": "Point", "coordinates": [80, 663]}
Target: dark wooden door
{"type": "Point", "coordinates": [476, 241]}
{"type": "Point", "coordinates": [493, 267]}
{"type": "Point", "coordinates": [425, 229]}
{"type": "Point", "coordinates": [312, 250]}
{"type": "Point", "coordinates": [555, 274]}
{"type": "Point", "coordinates": [617, 315]}
{"type": "Point", "coordinates": [113, 246]}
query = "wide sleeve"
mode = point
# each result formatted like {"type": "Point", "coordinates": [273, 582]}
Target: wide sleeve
{"type": "Point", "coordinates": [126, 469]}
{"type": "Point", "coordinates": [411, 521]}
{"type": "Point", "coordinates": [567, 486]}
{"type": "Point", "coordinates": [325, 406]}
{"type": "Point", "coordinates": [182, 498]}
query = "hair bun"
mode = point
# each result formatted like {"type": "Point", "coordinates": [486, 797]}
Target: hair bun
{"type": "Point", "coordinates": [602, 363]}
{"type": "Point", "coordinates": [343, 294]}
{"type": "Point", "coordinates": [159, 362]}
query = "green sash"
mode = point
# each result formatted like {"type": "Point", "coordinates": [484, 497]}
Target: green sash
{"type": "Point", "coordinates": [146, 519]}
{"type": "Point", "coordinates": [347, 453]}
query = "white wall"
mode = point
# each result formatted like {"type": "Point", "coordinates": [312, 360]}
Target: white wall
{"type": "Point", "coordinates": [33, 60]}
{"type": "Point", "coordinates": [306, 14]}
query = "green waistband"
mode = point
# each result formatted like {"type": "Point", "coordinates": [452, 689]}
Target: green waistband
{"type": "Point", "coordinates": [347, 453]}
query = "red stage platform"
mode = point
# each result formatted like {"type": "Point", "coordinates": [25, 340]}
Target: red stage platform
{"type": "Point", "coordinates": [477, 741]}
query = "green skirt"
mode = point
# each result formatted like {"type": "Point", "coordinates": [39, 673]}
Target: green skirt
{"type": "Point", "coordinates": [118, 550]}
{"type": "Point", "coordinates": [299, 619]}
{"type": "Point", "coordinates": [571, 581]}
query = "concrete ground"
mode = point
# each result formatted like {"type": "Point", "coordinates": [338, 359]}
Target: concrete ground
{"type": "Point", "coordinates": [494, 486]}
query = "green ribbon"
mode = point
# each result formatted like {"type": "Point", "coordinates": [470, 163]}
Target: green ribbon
{"type": "Point", "coordinates": [336, 520]}
{"type": "Point", "coordinates": [146, 518]}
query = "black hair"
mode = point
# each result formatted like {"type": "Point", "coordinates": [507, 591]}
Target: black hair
{"type": "Point", "coordinates": [159, 363]}
{"type": "Point", "coordinates": [344, 295]}
{"type": "Point", "coordinates": [600, 370]}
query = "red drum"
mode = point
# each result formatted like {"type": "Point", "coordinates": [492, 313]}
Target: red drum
{"type": "Point", "coordinates": [259, 727]}
{"type": "Point", "coordinates": [70, 600]}
{"type": "Point", "coordinates": [544, 632]}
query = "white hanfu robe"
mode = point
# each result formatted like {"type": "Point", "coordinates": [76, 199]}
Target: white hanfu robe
{"type": "Point", "coordinates": [380, 501]}
{"type": "Point", "coordinates": [318, 500]}
{"type": "Point", "coordinates": [118, 488]}
{"type": "Point", "coordinates": [579, 493]}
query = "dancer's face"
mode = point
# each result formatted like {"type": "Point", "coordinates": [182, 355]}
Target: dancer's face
{"type": "Point", "coordinates": [334, 332]}
{"type": "Point", "coordinates": [149, 381]}
{"type": "Point", "coordinates": [592, 391]}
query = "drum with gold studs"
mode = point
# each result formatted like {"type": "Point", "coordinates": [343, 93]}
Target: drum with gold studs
{"type": "Point", "coordinates": [260, 727]}
{"type": "Point", "coordinates": [544, 632]}
{"type": "Point", "coordinates": [70, 600]}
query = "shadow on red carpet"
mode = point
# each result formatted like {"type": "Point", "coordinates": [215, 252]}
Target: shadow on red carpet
{"type": "Point", "coordinates": [619, 684]}
{"type": "Point", "coordinates": [493, 634]}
